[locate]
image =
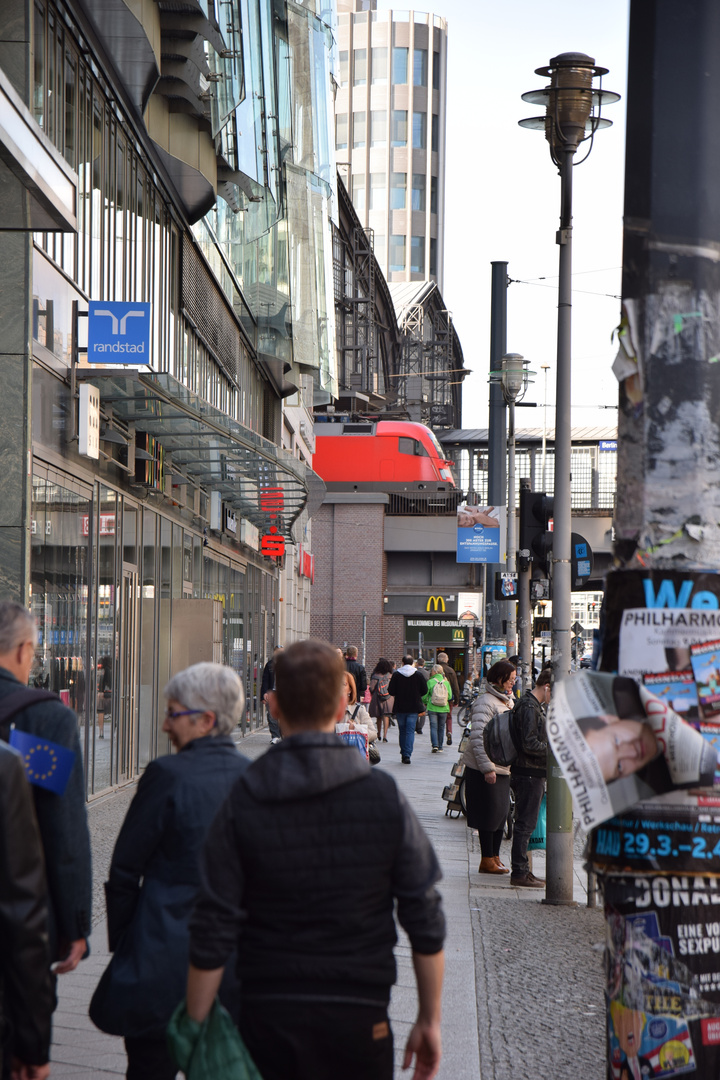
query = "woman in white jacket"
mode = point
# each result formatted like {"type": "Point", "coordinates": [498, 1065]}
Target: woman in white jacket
{"type": "Point", "coordinates": [487, 786]}
{"type": "Point", "coordinates": [355, 711]}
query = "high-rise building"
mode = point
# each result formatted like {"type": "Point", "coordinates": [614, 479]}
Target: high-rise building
{"type": "Point", "coordinates": [390, 132]}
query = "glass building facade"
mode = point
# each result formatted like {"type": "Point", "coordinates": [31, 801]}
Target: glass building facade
{"type": "Point", "coordinates": [174, 543]}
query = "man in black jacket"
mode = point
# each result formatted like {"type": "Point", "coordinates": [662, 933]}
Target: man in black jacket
{"type": "Point", "coordinates": [268, 684]}
{"type": "Point", "coordinates": [62, 818]}
{"type": "Point", "coordinates": [356, 669]}
{"type": "Point", "coordinates": [528, 776]}
{"type": "Point", "coordinates": [407, 687]}
{"type": "Point", "coordinates": [26, 992]}
{"type": "Point", "coordinates": [291, 877]}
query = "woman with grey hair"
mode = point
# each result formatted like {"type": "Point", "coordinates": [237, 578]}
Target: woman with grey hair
{"type": "Point", "coordinates": [154, 874]}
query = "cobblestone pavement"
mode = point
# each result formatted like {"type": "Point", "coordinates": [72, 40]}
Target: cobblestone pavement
{"type": "Point", "coordinates": [523, 992]}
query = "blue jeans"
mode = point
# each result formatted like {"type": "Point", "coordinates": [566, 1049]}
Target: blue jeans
{"type": "Point", "coordinates": [406, 722]}
{"type": "Point", "coordinates": [437, 728]}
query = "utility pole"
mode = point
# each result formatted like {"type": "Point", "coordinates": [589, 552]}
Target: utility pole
{"type": "Point", "coordinates": [524, 608]}
{"type": "Point", "coordinates": [497, 438]}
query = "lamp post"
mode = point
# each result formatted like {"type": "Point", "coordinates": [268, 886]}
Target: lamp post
{"type": "Point", "coordinates": [513, 377]}
{"type": "Point", "coordinates": [572, 116]}
{"type": "Point", "coordinates": [545, 368]}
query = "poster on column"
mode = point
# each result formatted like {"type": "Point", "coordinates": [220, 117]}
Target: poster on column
{"type": "Point", "coordinates": [481, 534]}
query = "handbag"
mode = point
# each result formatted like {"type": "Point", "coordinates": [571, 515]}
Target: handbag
{"type": "Point", "coordinates": [538, 839]}
{"type": "Point", "coordinates": [373, 754]}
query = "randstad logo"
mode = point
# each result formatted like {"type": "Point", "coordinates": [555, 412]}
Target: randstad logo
{"type": "Point", "coordinates": [438, 601]}
{"type": "Point", "coordinates": [667, 596]}
{"type": "Point", "coordinates": [117, 329]}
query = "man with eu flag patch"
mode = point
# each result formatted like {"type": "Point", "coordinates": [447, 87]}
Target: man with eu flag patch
{"type": "Point", "coordinates": [44, 731]}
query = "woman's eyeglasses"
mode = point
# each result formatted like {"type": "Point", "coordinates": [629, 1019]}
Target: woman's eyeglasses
{"type": "Point", "coordinates": [169, 715]}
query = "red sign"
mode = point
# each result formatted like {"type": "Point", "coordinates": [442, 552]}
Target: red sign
{"type": "Point", "coordinates": [273, 545]}
{"type": "Point", "coordinates": [272, 501]}
{"type": "Point", "coordinates": [107, 524]}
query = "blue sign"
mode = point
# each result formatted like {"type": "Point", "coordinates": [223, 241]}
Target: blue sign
{"type": "Point", "coordinates": [583, 568]}
{"type": "Point", "coordinates": [481, 534]}
{"type": "Point", "coordinates": [581, 551]}
{"type": "Point", "coordinates": [608, 444]}
{"type": "Point", "coordinates": [118, 332]}
{"type": "Point", "coordinates": [47, 764]}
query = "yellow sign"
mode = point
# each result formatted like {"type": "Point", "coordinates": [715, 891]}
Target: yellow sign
{"type": "Point", "coordinates": [458, 635]}
{"type": "Point", "coordinates": [438, 601]}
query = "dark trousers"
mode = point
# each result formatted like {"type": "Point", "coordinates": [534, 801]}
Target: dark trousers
{"type": "Point", "coordinates": [148, 1059]}
{"type": "Point", "coordinates": [294, 1040]}
{"type": "Point", "coordinates": [274, 727]}
{"type": "Point", "coordinates": [490, 842]}
{"type": "Point", "coordinates": [528, 791]}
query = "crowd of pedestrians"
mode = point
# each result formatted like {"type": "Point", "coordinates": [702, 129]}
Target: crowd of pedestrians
{"type": "Point", "coordinates": [245, 894]}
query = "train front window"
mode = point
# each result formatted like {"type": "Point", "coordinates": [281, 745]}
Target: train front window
{"type": "Point", "coordinates": [436, 444]}
{"type": "Point", "coordinates": [411, 446]}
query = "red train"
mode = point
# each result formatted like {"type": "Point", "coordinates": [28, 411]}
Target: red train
{"type": "Point", "coordinates": [385, 455]}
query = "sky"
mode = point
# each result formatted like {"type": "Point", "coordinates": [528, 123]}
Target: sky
{"type": "Point", "coordinates": [502, 197]}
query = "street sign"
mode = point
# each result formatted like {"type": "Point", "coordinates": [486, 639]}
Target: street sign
{"type": "Point", "coordinates": [577, 628]}
{"type": "Point", "coordinates": [118, 332]}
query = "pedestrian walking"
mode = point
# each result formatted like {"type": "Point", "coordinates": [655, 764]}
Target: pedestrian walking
{"type": "Point", "coordinates": [424, 671]}
{"type": "Point", "coordinates": [487, 785]}
{"type": "Point", "coordinates": [289, 876]}
{"type": "Point", "coordinates": [381, 704]}
{"type": "Point", "coordinates": [267, 684]}
{"type": "Point", "coordinates": [61, 813]}
{"type": "Point", "coordinates": [437, 701]}
{"type": "Point", "coordinates": [528, 776]}
{"type": "Point", "coordinates": [154, 873]}
{"type": "Point", "coordinates": [407, 687]}
{"type": "Point", "coordinates": [356, 669]}
{"type": "Point", "coordinates": [451, 676]}
{"type": "Point", "coordinates": [27, 995]}
{"type": "Point", "coordinates": [355, 711]}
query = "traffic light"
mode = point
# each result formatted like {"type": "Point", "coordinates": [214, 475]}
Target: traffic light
{"type": "Point", "coordinates": [536, 510]}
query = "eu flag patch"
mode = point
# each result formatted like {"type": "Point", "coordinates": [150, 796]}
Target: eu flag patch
{"type": "Point", "coordinates": [47, 764]}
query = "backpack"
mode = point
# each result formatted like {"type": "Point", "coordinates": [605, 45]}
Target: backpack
{"type": "Point", "coordinates": [439, 694]}
{"type": "Point", "coordinates": [500, 738]}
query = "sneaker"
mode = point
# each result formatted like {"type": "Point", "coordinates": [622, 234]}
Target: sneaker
{"type": "Point", "coordinates": [449, 739]}
{"type": "Point", "coordinates": [526, 881]}
{"type": "Point", "coordinates": [440, 749]}
{"type": "Point", "coordinates": [435, 749]}
{"type": "Point", "coordinates": [276, 740]}
{"type": "Point", "coordinates": [406, 761]}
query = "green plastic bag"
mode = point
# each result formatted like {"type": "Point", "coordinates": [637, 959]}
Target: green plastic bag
{"type": "Point", "coordinates": [537, 840]}
{"type": "Point", "coordinates": [212, 1050]}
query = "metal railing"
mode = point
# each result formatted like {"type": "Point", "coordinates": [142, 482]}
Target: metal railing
{"type": "Point", "coordinates": [424, 503]}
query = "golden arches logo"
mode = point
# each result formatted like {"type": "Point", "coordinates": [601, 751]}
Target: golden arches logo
{"type": "Point", "coordinates": [438, 601]}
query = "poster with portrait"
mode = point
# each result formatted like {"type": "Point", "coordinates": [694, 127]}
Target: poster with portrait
{"type": "Point", "coordinates": [617, 744]}
{"type": "Point", "coordinates": [481, 534]}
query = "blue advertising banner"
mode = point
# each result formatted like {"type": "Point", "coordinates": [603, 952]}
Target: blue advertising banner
{"type": "Point", "coordinates": [481, 534]}
{"type": "Point", "coordinates": [118, 332]}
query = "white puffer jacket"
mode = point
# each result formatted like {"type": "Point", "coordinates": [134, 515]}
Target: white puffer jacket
{"type": "Point", "coordinates": [487, 705]}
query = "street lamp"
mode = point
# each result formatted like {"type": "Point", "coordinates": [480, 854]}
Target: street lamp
{"type": "Point", "coordinates": [514, 378]}
{"type": "Point", "coordinates": [573, 109]}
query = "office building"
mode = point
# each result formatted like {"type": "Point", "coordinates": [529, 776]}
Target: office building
{"type": "Point", "coordinates": [390, 133]}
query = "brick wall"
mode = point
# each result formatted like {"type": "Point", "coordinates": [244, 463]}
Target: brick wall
{"type": "Point", "coordinates": [348, 545]}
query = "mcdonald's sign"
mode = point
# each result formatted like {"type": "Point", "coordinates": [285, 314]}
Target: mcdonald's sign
{"type": "Point", "coordinates": [437, 601]}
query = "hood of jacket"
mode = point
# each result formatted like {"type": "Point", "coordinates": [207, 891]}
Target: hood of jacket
{"type": "Point", "coordinates": [407, 670]}
{"type": "Point", "coordinates": [507, 699]}
{"type": "Point", "coordinates": [304, 765]}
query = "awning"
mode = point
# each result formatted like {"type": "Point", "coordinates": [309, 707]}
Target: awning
{"type": "Point", "coordinates": [38, 190]}
{"type": "Point", "coordinates": [258, 480]}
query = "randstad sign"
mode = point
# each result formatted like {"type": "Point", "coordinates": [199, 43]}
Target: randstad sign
{"type": "Point", "coordinates": [118, 332]}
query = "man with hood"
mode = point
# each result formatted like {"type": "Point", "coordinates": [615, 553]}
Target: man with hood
{"type": "Point", "coordinates": [287, 879]}
{"type": "Point", "coordinates": [407, 687]}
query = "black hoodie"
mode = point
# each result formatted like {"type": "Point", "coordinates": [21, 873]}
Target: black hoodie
{"type": "Point", "coordinates": [304, 863]}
